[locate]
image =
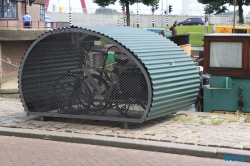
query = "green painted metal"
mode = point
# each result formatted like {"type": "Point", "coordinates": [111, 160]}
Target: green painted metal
{"type": "Point", "coordinates": [174, 77]}
{"type": "Point", "coordinates": [222, 98]}
{"type": "Point", "coordinates": [220, 82]}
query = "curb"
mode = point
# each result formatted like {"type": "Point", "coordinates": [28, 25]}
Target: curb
{"type": "Point", "coordinates": [9, 91]}
{"type": "Point", "coordinates": [10, 95]}
{"type": "Point", "coordinates": [165, 147]}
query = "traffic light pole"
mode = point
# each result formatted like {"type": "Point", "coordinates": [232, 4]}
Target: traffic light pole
{"type": "Point", "coordinates": [137, 16]}
{"type": "Point", "coordinates": [170, 8]}
{"type": "Point", "coordinates": [70, 23]}
{"type": "Point", "coordinates": [167, 18]}
{"type": "Point", "coordinates": [124, 14]}
{"type": "Point", "coordinates": [162, 13]}
{"type": "Point", "coordinates": [167, 13]}
{"type": "Point", "coordinates": [153, 19]}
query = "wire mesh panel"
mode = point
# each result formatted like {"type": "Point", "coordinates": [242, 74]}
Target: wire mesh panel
{"type": "Point", "coordinates": [68, 73]}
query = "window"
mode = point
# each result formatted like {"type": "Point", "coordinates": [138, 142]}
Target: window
{"type": "Point", "coordinates": [8, 9]}
{"type": "Point", "coordinates": [226, 54]}
{"type": "Point", "coordinates": [42, 13]}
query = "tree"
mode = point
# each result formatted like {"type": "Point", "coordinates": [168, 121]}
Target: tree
{"type": "Point", "coordinates": [104, 3]}
{"type": "Point", "coordinates": [103, 10]}
{"type": "Point", "coordinates": [230, 13]}
{"type": "Point", "coordinates": [221, 6]}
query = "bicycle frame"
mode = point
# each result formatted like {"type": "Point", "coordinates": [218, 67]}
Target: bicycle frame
{"type": "Point", "coordinates": [92, 81]}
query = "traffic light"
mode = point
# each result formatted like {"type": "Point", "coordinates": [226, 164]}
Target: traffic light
{"type": "Point", "coordinates": [156, 6]}
{"type": "Point", "coordinates": [165, 12]}
{"type": "Point", "coordinates": [30, 2]}
{"type": "Point", "coordinates": [153, 9]}
{"type": "Point", "coordinates": [170, 8]}
{"type": "Point", "coordinates": [123, 8]}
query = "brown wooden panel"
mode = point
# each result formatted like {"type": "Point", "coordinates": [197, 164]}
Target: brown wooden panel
{"type": "Point", "coordinates": [235, 72]}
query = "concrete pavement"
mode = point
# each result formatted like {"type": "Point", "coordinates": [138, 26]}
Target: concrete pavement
{"type": "Point", "coordinates": [190, 133]}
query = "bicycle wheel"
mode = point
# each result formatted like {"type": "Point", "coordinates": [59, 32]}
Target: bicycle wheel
{"type": "Point", "coordinates": [71, 90]}
{"type": "Point", "coordinates": [99, 101]}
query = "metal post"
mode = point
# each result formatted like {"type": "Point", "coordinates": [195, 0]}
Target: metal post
{"type": "Point", "coordinates": [118, 23]}
{"type": "Point", "coordinates": [153, 20]}
{"type": "Point", "coordinates": [234, 17]}
{"type": "Point", "coordinates": [125, 23]}
{"type": "Point", "coordinates": [167, 18]}
{"type": "Point", "coordinates": [162, 13]}
{"type": "Point", "coordinates": [167, 13]}
{"type": "Point", "coordinates": [125, 125]}
{"type": "Point", "coordinates": [70, 23]}
{"type": "Point", "coordinates": [137, 16]}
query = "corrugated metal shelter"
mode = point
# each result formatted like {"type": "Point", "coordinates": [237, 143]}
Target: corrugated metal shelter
{"type": "Point", "coordinates": [106, 73]}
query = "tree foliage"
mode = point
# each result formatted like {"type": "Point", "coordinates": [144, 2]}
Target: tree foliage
{"type": "Point", "coordinates": [104, 3]}
{"type": "Point", "coordinates": [221, 6]}
{"type": "Point", "coordinates": [103, 10]}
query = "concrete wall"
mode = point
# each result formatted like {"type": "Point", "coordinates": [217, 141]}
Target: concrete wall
{"type": "Point", "coordinates": [11, 54]}
{"type": "Point", "coordinates": [0, 66]}
{"type": "Point", "coordinates": [112, 19]}
{"type": "Point", "coordinates": [13, 45]}
{"type": "Point", "coordinates": [34, 12]}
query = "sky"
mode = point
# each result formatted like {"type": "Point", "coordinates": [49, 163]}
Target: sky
{"type": "Point", "coordinates": [176, 4]}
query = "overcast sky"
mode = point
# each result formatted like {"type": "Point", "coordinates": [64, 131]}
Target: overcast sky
{"type": "Point", "coordinates": [194, 8]}
{"type": "Point", "coordinates": [177, 6]}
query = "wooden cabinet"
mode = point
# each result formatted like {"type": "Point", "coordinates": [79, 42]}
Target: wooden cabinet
{"type": "Point", "coordinates": [227, 55]}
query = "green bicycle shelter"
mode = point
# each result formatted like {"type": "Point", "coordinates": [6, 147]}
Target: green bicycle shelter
{"type": "Point", "coordinates": [106, 73]}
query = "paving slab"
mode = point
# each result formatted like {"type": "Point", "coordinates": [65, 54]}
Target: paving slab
{"type": "Point", "coordinates": [195, 134]}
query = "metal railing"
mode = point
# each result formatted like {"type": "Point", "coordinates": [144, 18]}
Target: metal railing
{"type": "Point", "coordinates": [10, 23]}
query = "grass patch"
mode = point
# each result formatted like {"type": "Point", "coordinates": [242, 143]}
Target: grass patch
{"type": "Point", "coordinates": [216, 121]}
{"type": "Point", "coordinates": [247, 118]}
{"type": "Point", "coordinates": [201, 122]}
{"type": "Point", "coordinates": [205, 117]}
{"type": "Point", "coordinates": [233, 117]}
{"type": "Point", "coordinates": [196, 33]}
{"type": "Point", "coordinates": [182, 118]}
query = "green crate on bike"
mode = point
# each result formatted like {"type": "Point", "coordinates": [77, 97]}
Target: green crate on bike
{"type": "Point", "coordinates": [111, 56]}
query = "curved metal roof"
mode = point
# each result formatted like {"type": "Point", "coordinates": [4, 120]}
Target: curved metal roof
{"type": "Point", "coordinates": [174, 76]}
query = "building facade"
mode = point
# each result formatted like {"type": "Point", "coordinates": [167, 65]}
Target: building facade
{"type": "Point", "coordinates": [12, 11]}
{"type": "Point", "coordinates": [14, 39]}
